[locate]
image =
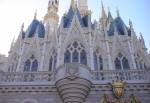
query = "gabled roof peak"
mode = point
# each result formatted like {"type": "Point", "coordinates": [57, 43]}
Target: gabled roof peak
{"type": "Point", "coordinates": [103, 13]}
{"type": "Point", "coordinates": [67, 19]}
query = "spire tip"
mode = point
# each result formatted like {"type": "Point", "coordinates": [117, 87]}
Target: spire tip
{"type": "Point", "coordinates": [118, 14]}
{"type": "Point", "coordinates": [35, 14]}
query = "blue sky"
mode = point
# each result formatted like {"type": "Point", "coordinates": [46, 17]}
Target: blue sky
{"type": "Point", "coordinates": [15, 12]}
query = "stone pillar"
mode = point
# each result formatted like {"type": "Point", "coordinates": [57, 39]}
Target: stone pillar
{"type": "Point", "coordinates": [110, 67]}
{"type": "Point", "coordinates": [42, 58]}
{"type": "Point", "coordinates": [132, 55]}
{"type": "Point", "coordinates": [20, 56]}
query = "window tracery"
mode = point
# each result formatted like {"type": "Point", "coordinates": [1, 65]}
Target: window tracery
{"type": "Point", "coordinates": [31, 65]}
{"type": "Point", "coordinates": [98, 61]}
{"type": "Point", "coordinates": [121, 63]}
{"type": "Point", "coordinates": [75, 53]}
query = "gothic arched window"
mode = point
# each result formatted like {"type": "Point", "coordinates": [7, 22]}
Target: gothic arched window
{"type": "Point", "coordinates": [27, 66]}
{"type": "Point", "coordinates": [125, 63]}
{"type": "Point", "coordinates": [67, 58]}
{"type": "Point", "coordinates": [75, 57]}
{"type": "Point", "coordinates": [75, 53]}
{"type": "Point", "coordinates": [83, 57]}
{"type": "Point", "coordinates": [121, 63]}
{"type": "Point", "coordinates": [141, 65]}
{"type": "Point", "coordinates": [117, 63]}
{"type": "Point", "coordinates": [145, 67]}
{"type": "Point", "coordinates": [31, 65]}
{"type": "Point", "coordinates": [98, 61]}
{"type": "Point", "coordinates": [53, 61]}
{"type": "Point", "coordinates": [34, 66]}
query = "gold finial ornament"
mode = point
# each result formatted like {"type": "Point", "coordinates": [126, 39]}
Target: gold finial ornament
{"type": "Point", "coordinates": [74, 4]}
{"type": "Point", "coordinates": [118, 88]}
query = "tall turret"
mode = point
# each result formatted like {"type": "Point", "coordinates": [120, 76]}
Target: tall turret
{"type": "Point", "coordinates": [142, 42]}
{"type": "Point", "coordinates": [52, 17]}
{"type": "Point", "coordinates": [103, 18]}
{"type": "Point", "coordinates": [110, 18]}
{"type": "Point", "coordinates": [73, 4]}
{"type": "Point", "coordinates": [83, 7]}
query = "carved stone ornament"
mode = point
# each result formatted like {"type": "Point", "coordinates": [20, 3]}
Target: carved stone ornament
{"type": "Point", "coordinates": [72, 70]}
{"type": "Point", "coordinates": [118, 89]}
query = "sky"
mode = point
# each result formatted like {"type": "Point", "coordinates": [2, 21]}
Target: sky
{"type": "Point", "coordinates": [15, 12]}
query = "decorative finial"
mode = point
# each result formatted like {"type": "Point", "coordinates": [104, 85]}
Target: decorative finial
{"type": "Point", "coordinates": [102, 3]}
{"type": "Point", "coordinates": [13, 41]}
{"type": "Point", "coordinates": [141, 35]}
{"type": "Point", "coordinates": [130, 23]}
{"type": "Point", "coordinates": [22, 26]}
{"type": "Point", "coordinates": [35, 14]}
{"type": "Point", "coordinates": [108, 9]}
{"type": "Point", "coordinates": [103, 11]}
{"type": "Point", "coordinates": [76, 4]}
{"type": "Point", "coordinates": [118, 14]}
{"type": "Point", "coordinates": [72, 3]}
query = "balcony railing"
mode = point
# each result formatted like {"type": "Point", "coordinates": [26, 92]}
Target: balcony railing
{"type": "Point", "coordinates": [126, 75]}
{"type": "Point", "coordinates": [136, 76]}
{"type": "Point", "coordinates": [7, 77]}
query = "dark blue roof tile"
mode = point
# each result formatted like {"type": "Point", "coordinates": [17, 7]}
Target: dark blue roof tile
{"type": "Point", "coordinates": [36, 27]}
{"type": "Point", "coordinates": [40, 31]}
{"type": "Point", "coordinates": [120, 27]}
{"type": "Point", "coordinates": [67, 20]}
{"type": "Point", "coordinates": [32, 28]}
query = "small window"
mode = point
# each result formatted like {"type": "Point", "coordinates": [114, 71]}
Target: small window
{"type": "Point", "coordinates": [98, 61]}
{"type": "Point", "coordinates": [27, 66]}
{"type": "Point", "coordinates": [31, 65]}
{"type": "Point", "coordinates": [121, 63]}
{"type": "Point", "coordinates": [67, 57]}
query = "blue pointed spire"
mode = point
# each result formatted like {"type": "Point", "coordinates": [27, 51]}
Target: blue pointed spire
{"type": "Point", "coordinates": [110, 18]}
{"type": "Point", "coordinates": [118, 14]}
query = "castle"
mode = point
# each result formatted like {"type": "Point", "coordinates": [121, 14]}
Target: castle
{"type": "Point", "coordinates": [76, 61]}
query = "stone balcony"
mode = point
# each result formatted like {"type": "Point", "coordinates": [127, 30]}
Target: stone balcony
{"type": "Point", "coordinates": [105, 76]}
{"type": "Point", "coordinates": [129, 76]}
